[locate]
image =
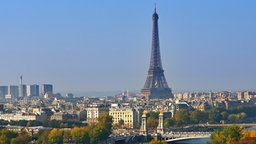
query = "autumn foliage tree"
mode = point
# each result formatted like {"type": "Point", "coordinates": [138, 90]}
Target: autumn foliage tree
{"type": "Point", "coordinates": [6, 136]}
{"type": "Point", "coordinates": [228, 135]}
{"type": "Point", "coordinates": [233, 135]}
{"type": "Point", "coordinates": [79, 135]}
{"type": "Point", "coordinates": [11, 137]}
{"type": "Point", "coordinates": [22, 138]}
{"type": "Point", "coordinates": [152, 120]}
{"type": "Point", "coordinates": [43, 137]}
{"type": "Point", "coordinates": [157, 142]}
{"type": "Point", "coordinates": [182, 117]}
{"type": "Point", "coordinates": [55, 136]}
{"type": "Point", "coordinates": [102, 130]}
{"type": "Point", "coordinates": [249, 137]}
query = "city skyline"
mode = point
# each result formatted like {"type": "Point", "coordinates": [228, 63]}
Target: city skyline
{"type": "Point", "coordinates": [105, 46]}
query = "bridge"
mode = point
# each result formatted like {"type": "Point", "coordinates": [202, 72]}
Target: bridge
{"type": "Point", "coordinates": [225, 125]}
{"type": "Point", "coordinates": [186, 138]}
{"type": "Point", "coordinates": [175, 136]}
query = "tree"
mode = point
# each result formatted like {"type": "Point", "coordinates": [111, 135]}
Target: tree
{"type": "Point", "coordinates": [55, 136]}
{"type": "Point", "coordinates": [80, 135]}
{"type": "Point", "coordinates": [63, 125]}
{"type": "Point", "coordinates": [157, 142]}
{"type": "Point", "coordinates": [67, 136]}
{"type": "Point", "coordinates": [23, 138]}
{"type": "Point", "coordinates": [54, 123]}
{"type": "Point", "coordinates": [233, 118]}
{"type": "Point", "coordinates": [196, 116]}
{"type": "Point", "coordinates": [242, 115]}
{"type": "Point", "coordinates": [152, 122]}
{"type": "Point", "coordinates": [224, 115]}
{"type": "Point", "coordinates": [217, 138]}
{"type": "Point", "coordinates": [4, 139]}
{"type": "Point", "coordinates": [233, 133]}
{"type": "Point", "coordinates": [43, 137]}
{"type": "Point", "coordinates": [153, 114]}
{"type": "Point", "coordinates": [121, 123]}
{"type": "Point", "coordinates": [249, 137]}
{"type": "Point", "coordinates": [228, 135]}
{"type": "Point", "coordinates": [6, 136]}
{"type": "Point", "coordinates": [105, 122]}
{"type": "Point", "coordinates": [168, 122]}
{"type": "Point", "coordinates": [102, 130]}
{"type": "Point", "coordinates": [182, 117]}
{"type": "Point", "coordinates": [214, 115]}
{"type": "Point", "coordinates": [86, 130]}
{"type": "Point", "coordinates": [95, 134]}
{"type": "Point", "coordinates": [76, 134]}
{"type": "Point", "coordinates": [35, 123]}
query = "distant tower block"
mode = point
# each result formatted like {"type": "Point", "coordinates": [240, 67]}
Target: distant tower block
{"type": "Point", "coordinates": [160, 127]}
{"type": "Point", "coordinates": [22, 88]}
{"type": "Point", "coordinates": [46, 88]}
{"type": "Point", "coordinates": [21, 80]}
{"type": "Point", "coordinates": [143, 128]}
{"type": "Point", "coordinates": [155, 86]}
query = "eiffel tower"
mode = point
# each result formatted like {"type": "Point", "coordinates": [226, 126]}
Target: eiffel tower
{"type": "Point", "coordinates": [155, 86]}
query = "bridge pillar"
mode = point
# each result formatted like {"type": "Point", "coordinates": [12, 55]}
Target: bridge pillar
{"type": "Point", "coordinates": [160, 127]}
{"type": "Point", "coordinates": [143, 128]}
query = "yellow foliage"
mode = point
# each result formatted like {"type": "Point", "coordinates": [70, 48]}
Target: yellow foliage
{"type": "Point", "coordinates": [250, 133]}
{"type": "Point", "coordinates": [157, 142]}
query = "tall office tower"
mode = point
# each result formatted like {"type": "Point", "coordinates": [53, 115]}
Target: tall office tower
{"type": "Point", "coordinates": [21, 88]}
{"type": "Point", "coordinates": [3, 92]}
{"type": "Point", "coordinates": [22, 91]}
{"type": "Point", "coordinates": [33, 90]}
{"type": "Point", "coordinates": [46, 88]}
{"type": "Point", "coordinates": [155, 86]}
{"type": "Point", "coordinates": [13, 91]}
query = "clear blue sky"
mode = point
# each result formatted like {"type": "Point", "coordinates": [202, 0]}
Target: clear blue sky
{"type": "Point", "coordinates": [104, 45]}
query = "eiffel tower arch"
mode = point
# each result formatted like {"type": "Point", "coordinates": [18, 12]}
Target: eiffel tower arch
{"type": "Point", "coordinates": [156, 86]}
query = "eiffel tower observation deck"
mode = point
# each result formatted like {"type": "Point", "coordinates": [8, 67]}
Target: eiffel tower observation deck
{"type": "Point", "coordinates": [156, 86]}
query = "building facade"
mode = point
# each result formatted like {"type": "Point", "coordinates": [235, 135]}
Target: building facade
{"type": "Point", "coordinates": [94, 112]}
{"type": "Point", "coordinates": [126, 114]}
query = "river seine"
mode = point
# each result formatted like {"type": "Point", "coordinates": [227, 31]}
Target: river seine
{"type": "Point", "coordinates": [192, 141]}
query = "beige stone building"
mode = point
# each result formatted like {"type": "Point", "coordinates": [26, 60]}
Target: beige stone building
{"type": "Point", "coordinates": [94, 112]}
{"type": "Point", "coordinates": [130, 116]}
{"type": "Point", "coordinates": [20, 116]}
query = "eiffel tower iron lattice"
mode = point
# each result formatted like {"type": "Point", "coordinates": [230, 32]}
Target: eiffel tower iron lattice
{"type": "Point", "coordinates": [156, 86]}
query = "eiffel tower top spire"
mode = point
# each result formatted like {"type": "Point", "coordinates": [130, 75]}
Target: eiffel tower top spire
{"type": "Point", "coordinates": [155, 7]}
{"type": "Point", "coordinates": [155, 61]}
